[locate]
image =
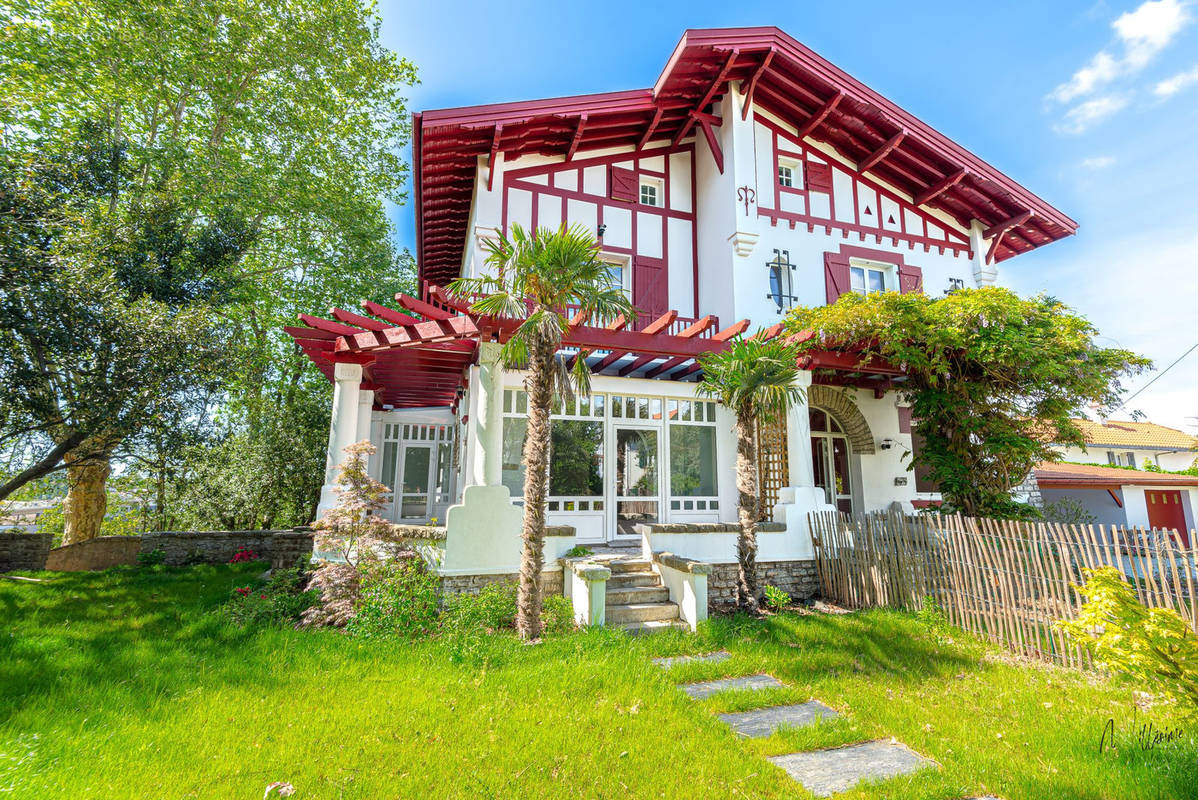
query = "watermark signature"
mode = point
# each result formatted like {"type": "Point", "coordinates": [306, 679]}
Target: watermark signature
{"type": "Point", "coordinates": [1145, 735]}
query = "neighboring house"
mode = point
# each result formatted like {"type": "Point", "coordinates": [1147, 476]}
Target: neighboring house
{"type": "Point", "coordinates": [752, 176]}
{"type": "Point", "coordinates": [1122, 497]}
{"type": "Point", "coordinates": [1130, 444]}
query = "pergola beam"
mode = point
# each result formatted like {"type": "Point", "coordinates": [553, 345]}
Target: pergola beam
{"type": "Point", "coordinates": [341, 315]}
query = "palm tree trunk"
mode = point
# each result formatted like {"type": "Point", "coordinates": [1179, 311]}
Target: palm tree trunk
{"type": "Point", "coordinates": [536, 465]}
{"type": "Point", "coordinates": [746, 488]}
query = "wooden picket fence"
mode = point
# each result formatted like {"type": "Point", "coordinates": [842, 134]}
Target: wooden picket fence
{"type": "Point", "coordinates": [1005, 581]}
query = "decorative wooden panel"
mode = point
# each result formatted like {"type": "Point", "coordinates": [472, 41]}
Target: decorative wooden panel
{"type": "Point", "coordinates": [772, 467]}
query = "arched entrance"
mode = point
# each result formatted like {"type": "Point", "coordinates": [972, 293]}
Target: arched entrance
{"type": "Point", "coordinates": [830, 460]}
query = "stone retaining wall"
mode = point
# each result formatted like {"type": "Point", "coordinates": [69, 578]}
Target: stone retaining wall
{"type": "Point", "coordinates": [99, 553]}
{"type": "Point", "coordinates": [551, 582]}
{"type": "Point", "coordinates": [24, 551]}
{"type": "Point", "coordinates": [282, 548]}
{"type": "Point", "coordinates": [799, 579]}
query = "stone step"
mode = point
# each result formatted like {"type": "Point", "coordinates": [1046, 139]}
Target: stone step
{"type": "Point", "coordinates": [837, 769]}
{"type": "Point", "coordinates": [637, 594]}
{"type": "Point", "coordinates": [629, 580]}
{"type": "Point", "coordinates": [641, 612]}
{"type": "Point", "coordinates": [623, 566]}
{"type": "Point", "coordinates": [655, 626]}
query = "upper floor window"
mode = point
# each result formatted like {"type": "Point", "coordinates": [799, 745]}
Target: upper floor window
{"type": "Point", "coordinates": [786, 175]}
{"type": "Point", "coordinates": [650, 193]}
{"type": "Point", "coordinates": [1121, 459]}
{"type": "Point", "coordinates": [868, 277]}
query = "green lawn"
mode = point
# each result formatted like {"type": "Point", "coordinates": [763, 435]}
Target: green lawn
{"type": "Point", "coordinates": [120, 684]}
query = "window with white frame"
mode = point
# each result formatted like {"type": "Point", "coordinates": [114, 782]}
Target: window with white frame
{"type": "Point", "coordinates": [619, 275]}
{"type": "Point", "coordinates": [786, 175]}
{"type": "Point", "coordinates": [1127, 459]}
{"type": "Point", "coordinates": [868, 277]}
{"type": "Point", "coordinates": [692, 433]}
{"type": "Point", "coordinates": [651, 191]}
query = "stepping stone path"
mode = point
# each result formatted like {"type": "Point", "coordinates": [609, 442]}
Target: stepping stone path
{"type": "Point", "coordinates": [749, 682]}
{"type": "Point", "coordinates": [706, 658]}
{"type": "Point", "coordinates": [826, 772]}
{"type": "Point", "coordinates": [765, 721]}
{"type": "Point", "coordinates": [821, 772]}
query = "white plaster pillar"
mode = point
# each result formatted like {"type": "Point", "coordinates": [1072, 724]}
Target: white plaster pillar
{"type": "Point", "coordinates": [798, 437]}
{"type": "Point", "coordinates": [983, 274]}
{"type": "Point", "coordinates": [486, 424]}
{"type": "Point", "coordinates": [343, 427]}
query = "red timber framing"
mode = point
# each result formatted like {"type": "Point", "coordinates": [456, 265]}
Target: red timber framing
{"type": "Point", "coordinates": [778, 75]}
{"type": "Point", "coordinates": [420, 358]}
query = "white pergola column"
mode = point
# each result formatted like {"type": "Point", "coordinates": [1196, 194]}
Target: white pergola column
{"type": "Point", "coordinates": [486, 425]}
{"type": "Point", "coordinates": [798, 437]}
{"type": "Point", "coordinates": [343, 427]}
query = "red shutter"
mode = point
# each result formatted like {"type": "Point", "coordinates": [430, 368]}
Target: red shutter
{"type": "Point", "coordinates": [923, 481]}
{"type": "Point", "coordinates": [623, 185]}
{"type": "Point", "coordinates": [910, 279]}
{"type": "Point", "coordinates": [650, 288]}
{"type": "Point", "coordinates": [817, 177]}
{"type": "Point", "coordinates": [836, 275]}
{"type": "Point", "coordinates": [904, 419]}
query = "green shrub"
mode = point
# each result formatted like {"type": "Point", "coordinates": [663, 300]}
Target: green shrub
{"type": "Point", "coordinates": [558, 614]}
{"type": "Point", "coordinates": [775, 598]}
{"type": "Point", "coordinates": [578, 551]}
{"type": "Point", "coordinates": [1154, 647]}
{"type": "Point", "coordinates": [492, 609]}
{"type": "Point", "coordinates": [397, 599]}
{"type": "Point", "coordinates": [280, 601]}
{"type": "Point", "coordinates": [151, 558]}
{"type": "Point", "coordinates": [932, 615]}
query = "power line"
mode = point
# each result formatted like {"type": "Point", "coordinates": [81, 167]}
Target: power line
{"type": "Point", "coordinates": [1159, 374]}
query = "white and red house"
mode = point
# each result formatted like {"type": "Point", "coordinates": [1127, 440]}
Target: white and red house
{"type": "Point", "coordinates": [752, 176]}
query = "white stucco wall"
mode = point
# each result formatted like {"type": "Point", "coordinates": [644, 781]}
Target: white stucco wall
{"type": "Point", "coordinates": [1169, 460]}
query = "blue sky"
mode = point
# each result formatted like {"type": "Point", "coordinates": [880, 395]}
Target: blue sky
{"type": "Point", "coordinates": [1093, 106]}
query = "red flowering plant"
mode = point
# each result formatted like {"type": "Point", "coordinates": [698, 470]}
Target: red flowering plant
{"type": "Point", "coordinates": [243, 555]}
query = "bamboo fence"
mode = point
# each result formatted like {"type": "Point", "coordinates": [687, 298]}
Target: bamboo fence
{"type": "Point", "coordinates": [1006, 581]}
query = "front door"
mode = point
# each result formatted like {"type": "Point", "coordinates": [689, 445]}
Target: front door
{"type": "Point", "coordinates": [1165, 511]}
{"type": "Point", "coordinates": [415, 477]}
{"type": "Point", "coordinates": [638, 478]}
{"type": "Point", "coordinates": [830, 461]}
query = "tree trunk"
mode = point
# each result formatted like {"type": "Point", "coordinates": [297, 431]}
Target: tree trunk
{"type": "Point", "coordinates": [536, 465]}
{"type": "Point", "coordinates": [746, 489]}
{"type": "Point", "coordinates": [87, 498]}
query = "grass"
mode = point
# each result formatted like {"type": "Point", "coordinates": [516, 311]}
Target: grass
{"type": "Point", "coordinates": [120, 684]}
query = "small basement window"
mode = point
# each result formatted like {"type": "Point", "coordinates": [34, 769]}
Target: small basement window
{"type": "Point", "coordinates": [650, 193]}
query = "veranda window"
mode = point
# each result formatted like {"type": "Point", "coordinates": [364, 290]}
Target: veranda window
{"type": "Point", "coordinates": [693, 483]}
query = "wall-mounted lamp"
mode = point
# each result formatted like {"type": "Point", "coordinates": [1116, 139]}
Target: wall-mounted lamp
{"type": "Point", "coordinates": [886, 444]}
{"type": "Point", "coordinates": [601, 230]}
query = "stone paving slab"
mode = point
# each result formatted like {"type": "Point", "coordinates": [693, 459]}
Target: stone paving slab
{"type": "Point", "coordinates": [705, 658]}
{"type": "Point", "coordinates": [764, 721]}
{"type": "Point", "coordinates": [752, 682]}
{"type": "Point", "coordinates": [826, 772]}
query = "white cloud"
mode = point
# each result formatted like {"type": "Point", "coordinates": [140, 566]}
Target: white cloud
{"type": "Point", "coordinates": [1171, 86]}
{"type": "Point", "coordinates": [1141, 35]}
{"type": "Point", "coordinates": [1097, 162]}
{"type": "Point", "coordinates": [1079, 118]}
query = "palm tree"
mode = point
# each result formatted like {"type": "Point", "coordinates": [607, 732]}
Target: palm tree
{"type": "Point", "coordinates": [755, 379]}
{"type": "Point", "coordinates": [544, 277]}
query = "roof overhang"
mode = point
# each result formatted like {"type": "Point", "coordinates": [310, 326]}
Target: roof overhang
{"type": "Point", "coordinates": [1069, 476]}
{"type": "Point", "coordinates": [784, 77]}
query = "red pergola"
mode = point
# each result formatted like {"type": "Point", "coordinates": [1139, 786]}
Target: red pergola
{"type": "Point", "coordinates": [776, 73]}
{"type": "Point", "coordinates": [418, 355]}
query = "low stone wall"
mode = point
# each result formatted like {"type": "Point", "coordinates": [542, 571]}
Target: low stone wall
{"type": "Point", "coordinates": [99, 553]}
{"type": "Point", "coordinates": [551, 582]}
{"type": "Point", "coordinates": [799, 579]}
{"type": "Point", "coordinates": [282, 548]}
{"type": "Point", "coordinates": [24, 551]}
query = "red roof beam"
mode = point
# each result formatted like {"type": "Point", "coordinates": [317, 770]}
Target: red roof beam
{"type": "Point", "coordinates": [751, 86]}
{"type": "Point", "coordinates": [940, 187]}
{"type": "Point", "coordinates": [817, 119]}
{"type": "Point", "coordinates": [876, 156]}
{"type": "Point", "coordinates": [707, 98]}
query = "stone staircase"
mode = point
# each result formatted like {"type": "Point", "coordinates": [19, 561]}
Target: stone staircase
{"type": "Point", "coordinates": [636, 600]}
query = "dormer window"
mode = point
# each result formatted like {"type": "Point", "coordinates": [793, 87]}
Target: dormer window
{"type": "Point", "coordinates": [650, 193]}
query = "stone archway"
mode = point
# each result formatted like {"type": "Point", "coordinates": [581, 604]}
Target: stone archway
{"type": "Point", "coordinates": [840, 406]}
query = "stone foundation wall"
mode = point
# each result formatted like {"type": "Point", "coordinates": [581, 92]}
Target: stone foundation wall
{"type": "Point", "coordinates": [551, 581]}
{"type": "Point", "coordinates": [282, 548]}
{"type": "Point", "coordinates": [99, 553]}
{"type": "Point", "coordinates": [799, 579]}
{"type": "Point", "coordinates": [24, 551]}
